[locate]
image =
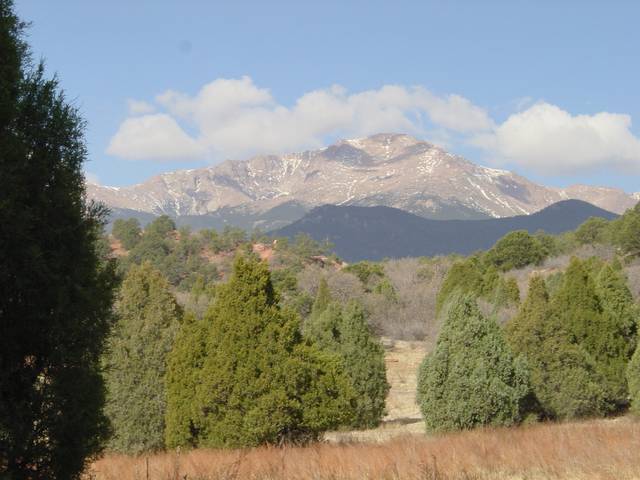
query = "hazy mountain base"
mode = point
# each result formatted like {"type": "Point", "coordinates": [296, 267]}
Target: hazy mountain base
{"type": "Point", "coordinates": [375, 233]}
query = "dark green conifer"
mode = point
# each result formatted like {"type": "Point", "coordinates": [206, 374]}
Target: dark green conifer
{"type": "Point", "coordinates": [55, 305]}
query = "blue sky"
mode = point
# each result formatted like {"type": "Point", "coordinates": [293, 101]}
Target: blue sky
{"type": "Point", "coordinates": [546, 88]}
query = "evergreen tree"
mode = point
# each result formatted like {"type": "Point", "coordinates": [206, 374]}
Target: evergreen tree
{"type": "Point", "coordinates": [633, 379]}
{"type": "Point", "coordinates": [127, 231]}
{"type": "Point", "coordinates": [464, 277]}
{"type": "Point", "coordinates": [515, 250]}
{"type": "Point", "coordinates": [526, 331]}
{"type": "Point", "coordinates": [554, 337]}
{"type": "Point", "coordinates": [471, 378]}
{"type": "Point", "coordinates": [626, 231]}
{"type": "Point", "coordinates": [593, 230]}
{"type": "Point", "coordinates": [56, 290]}
{"type": "Point", "coordinates": [260, 382]}
{"type": "Point", "coordinates": [323, 297]}
{"type": "Point", "coordinates": [184, 366]}
{"type": "Point", "coordinates": [562, 374]}
{"type": "Point", "coordinates": [363, 358]}
{"type": "Point", "coordinates": [346, 333]}
{"type": "Point", "coordinates": [614, 342]}
{"type": "Point", "coordinates": [148, 319]}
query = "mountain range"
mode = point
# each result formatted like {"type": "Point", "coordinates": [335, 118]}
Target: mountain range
{"type": "Point", "coordinates": [375, 233]}
{"type": "Point", "coordinates": [392, 170]}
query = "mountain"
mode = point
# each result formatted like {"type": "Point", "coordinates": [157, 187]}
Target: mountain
{"type": "Point", "coordinates": [392, 170]}
{"type": "Point", "coordinates": [374, 233]}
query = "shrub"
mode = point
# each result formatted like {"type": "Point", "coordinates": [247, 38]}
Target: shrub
{"type": "Point", "coordinates": [471, 378]}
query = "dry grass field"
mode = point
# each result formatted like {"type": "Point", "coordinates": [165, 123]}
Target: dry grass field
{"type": "Point", "coordinates": [589, 450]}
{"type": "Point", "coordinates": [399, 450]}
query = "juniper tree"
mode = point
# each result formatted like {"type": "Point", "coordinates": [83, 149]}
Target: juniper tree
{"type": "Point", "coordinates": [614, 342]}
{"type": "Point", "coordinates": [148, 318]}
{"type": "Point", "coordinates": [184, 366]}
{"type": "Point", "coordinates": [345, 332]}
{"type": "Point", "coordinates": [471, 378]}
{"type": "Point", "coordinates": [257, 381]}
{"type": "Point", "coordinates": [127, 231]}
{"type": "Point", "coordinates": [56, 290]}
{"type": "Point", "coordinates": [563, 376]}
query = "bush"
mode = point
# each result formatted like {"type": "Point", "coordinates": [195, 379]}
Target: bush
{"type": "Point", "coordinates": [471, 378]}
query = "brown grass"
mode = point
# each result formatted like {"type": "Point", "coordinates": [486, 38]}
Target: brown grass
{"type": "Point", "coordinates": [590, 450]}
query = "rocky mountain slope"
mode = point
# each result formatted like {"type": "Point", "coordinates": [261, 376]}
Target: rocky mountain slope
{"type": "Point", "coordinates": [386, 169]}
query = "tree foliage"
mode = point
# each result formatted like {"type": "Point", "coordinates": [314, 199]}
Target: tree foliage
{"type": "Point", "coordinates": [516, 249]}
{"type": "Point", "coordinates": [56, 290]}
{"type": "Point", "coordinates": [592, 231]}
{"type": "Point", "coordinates": [344, 331]}
{"type": "Point", "coordinates": [579, 342]}
{"type": "Point", "coordinates": [127, 231]}
{"type": "Point", "coordinates": [256, 381]}
{"type": "Point", "coordinates": [148, 318]}
{"type": "Point", "coordinates": [471, 378]}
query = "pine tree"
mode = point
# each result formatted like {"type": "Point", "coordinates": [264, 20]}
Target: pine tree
{"type": "Point", "coordinates": [148, 319]}
{"type": "Point", "coordinates": [471, 378]}
{"type": "Point", "coordinates": [56, 290]}
{"type": "Point", "coordinates": [260, 382]}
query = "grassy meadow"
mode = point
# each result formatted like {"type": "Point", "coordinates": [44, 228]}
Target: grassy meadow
{"type": "Point", "coordinates": [602, 449]}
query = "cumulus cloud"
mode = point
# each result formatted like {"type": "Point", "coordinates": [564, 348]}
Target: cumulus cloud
{"type": "Point", "coordinates": [139, 107]}
{"type": "Point", "coordinates": [550, 140]}
{"type": "Point", "coordinates": [234, 118]}
{"type": "Point", "coordinates": [153, 136]}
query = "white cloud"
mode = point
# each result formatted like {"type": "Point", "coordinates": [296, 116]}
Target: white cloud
{"type": "Point", "coordinates": [139, 107]}
{"type": "Point", "coordinates": [550, 140]}
{"type": "Point", "coordinates": [153, 136]}
{"type": "Point", "coordinates": [234, 118]}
